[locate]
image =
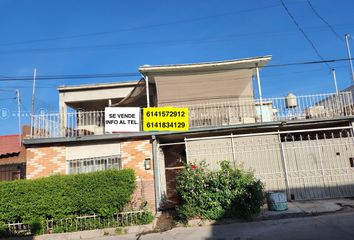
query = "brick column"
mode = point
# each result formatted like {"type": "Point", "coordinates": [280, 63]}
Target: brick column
{"type": "Point", "coordinates": [134, 153]}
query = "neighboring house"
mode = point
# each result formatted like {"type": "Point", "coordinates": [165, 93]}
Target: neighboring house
{"type": "Point", "coordinates": [12, 157]}
{"type": "Point", "coordinates": [299, 144]}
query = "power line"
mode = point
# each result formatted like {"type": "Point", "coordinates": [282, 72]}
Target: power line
{"type": "Point", "coordinates": [7, 98]}
{"type": "Point", "coordinates": [160, 43]}
{"type": "Point", "coordinates": [27, 87]}
{"type": "Point", "coordinates": [136, 74]}
{"type": "Point", "coordinates": [78, 76]}
{"type": "Point", "coordinates": [137, 28]}
{"type": "Point", "coordinates": [23, 106]}
{"type": "Point", "coordinates": [323, 20]}
{"type": "Point", "coordinates": [2, 90]}
{"type": "Point", "coordinates": [304, 33]}
{"type": "Point", "coordinates": [307, 62]}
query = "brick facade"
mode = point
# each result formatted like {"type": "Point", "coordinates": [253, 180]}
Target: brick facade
{"type": "Point", "coordinates": [134, 153]}
{"type": "Point", "coordinates": [50, 160]}
{"type": "Point", "coordinates": [45, 161]}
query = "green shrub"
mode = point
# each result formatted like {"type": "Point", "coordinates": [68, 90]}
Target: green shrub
{"type": "Point", "coordinates": [145, 218]}
{"type": "Point", "coordinates": [66, 196]}
{"type": "Point", "coordinates": [228, 192]}
{"type": "Point", "coordinates": [36, 226]}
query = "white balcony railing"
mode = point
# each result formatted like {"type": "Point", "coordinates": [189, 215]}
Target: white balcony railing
{"type": "Point", "coordinates": [270, 109]}
{"type": "Point", "coordinates": [71, 124]}
{"type": "Point", "coordinates": [320, 106]}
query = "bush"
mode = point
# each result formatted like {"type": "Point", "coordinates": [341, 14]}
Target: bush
{"type": "Point", "coordinates": [66, 196]}
{"type": "Point", "coordinates": [228, 192]}
{"type": "Point", "coordinates": [36, 226]}
{"type": "Point", "coordinates": [145, 218]}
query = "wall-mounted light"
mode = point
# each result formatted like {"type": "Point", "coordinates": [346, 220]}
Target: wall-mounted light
{"type": "Point", "coordinates": [147, 164]}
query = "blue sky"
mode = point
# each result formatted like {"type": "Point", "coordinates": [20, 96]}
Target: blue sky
{"type": "Point", "coordinates": [101, 36]}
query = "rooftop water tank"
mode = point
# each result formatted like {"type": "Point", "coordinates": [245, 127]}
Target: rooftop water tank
{"type": "Point", "coordinates": [290, 101]}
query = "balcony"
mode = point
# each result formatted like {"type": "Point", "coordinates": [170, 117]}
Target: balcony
{"type": "Point", "coordinates": [208, 115]}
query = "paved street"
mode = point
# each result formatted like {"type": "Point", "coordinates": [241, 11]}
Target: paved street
{"type": "Point", "coordinates": [331, 226]}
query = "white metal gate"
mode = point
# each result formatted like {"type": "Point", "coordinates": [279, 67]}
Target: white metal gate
{"type": "Point", "coordinates": [319, 164]}
{"type": "Point", "coordinates": [259, 154]}
{"type": "Point", "coordinates": [315, 164]}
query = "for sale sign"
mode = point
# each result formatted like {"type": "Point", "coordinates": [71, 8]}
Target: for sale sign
{"type": "Point", "coordinates": [122, 119]}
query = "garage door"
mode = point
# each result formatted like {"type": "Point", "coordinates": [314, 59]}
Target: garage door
{"type": "Point", "coordinates": [319, 165]}
{"type": "Point", "coordinates": [259, 154]}
{"type": "Point", "coordinates": [310, 165]}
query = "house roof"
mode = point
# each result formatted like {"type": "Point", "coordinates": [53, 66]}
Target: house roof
{"type": "Point", "coordinates": [97, 86]}
{"type": "Point", "coordinates": [9, 144]}
{"type": "Point", "coordinates": [243, 63]}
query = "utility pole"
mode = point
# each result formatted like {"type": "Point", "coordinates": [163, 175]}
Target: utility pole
{"type": "Point", "coordinates": [33, 94]}
{"type": "Point", "coordinates": [347, 36]}
{"type": "Point", "coordinates": [19, 116]}
{"type": "Point", "coordinates": [338, 103]}
{"type": "Point", "coordinates": [335, 80]}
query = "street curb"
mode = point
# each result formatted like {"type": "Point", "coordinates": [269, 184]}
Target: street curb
{"type": "Point", "coordinates": [202, 222]}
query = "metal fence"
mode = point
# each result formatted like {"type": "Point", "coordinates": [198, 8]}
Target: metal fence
{"type": "Point", "coordinates": [19, 229]}
{"type": "Point", "coordinates": [214, 114]}
{"type": "Point", "coordinates": [270, 109]}
{"type": "Point", "coordinates": [82, 223]}
{"type": "Point", "coordinates": [71, 124]}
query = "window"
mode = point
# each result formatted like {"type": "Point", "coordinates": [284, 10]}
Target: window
{"type": "Point", "coordinates": [318, 135]}
{"type": "Point", "coordinates": [87, 165]}
{"type": "Point", "coordinates": [351, 160]}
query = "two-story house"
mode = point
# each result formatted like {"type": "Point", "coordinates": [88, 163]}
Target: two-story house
{"type": "Point", "coordinates": [299, 144]}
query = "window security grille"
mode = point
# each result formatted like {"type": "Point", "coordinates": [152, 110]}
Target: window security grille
{"type": "Point", "coordinates": [87, 165]}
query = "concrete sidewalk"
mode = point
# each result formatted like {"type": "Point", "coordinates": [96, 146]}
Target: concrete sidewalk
{"type": "Point", "coordinates": [295, 209]}
{"type": "Point", "coordinates": [338, 225]}
{"type": "Point", "coordinates": [308, 208]}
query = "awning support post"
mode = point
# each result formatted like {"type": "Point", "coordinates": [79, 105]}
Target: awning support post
{"type": "Point", "coordinates": [147, 91]}
{"type": "Point", "coordinates": [259, 91]}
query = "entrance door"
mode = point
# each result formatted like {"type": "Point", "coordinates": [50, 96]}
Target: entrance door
{"type": "Point", "coordinates": [174, 157]}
